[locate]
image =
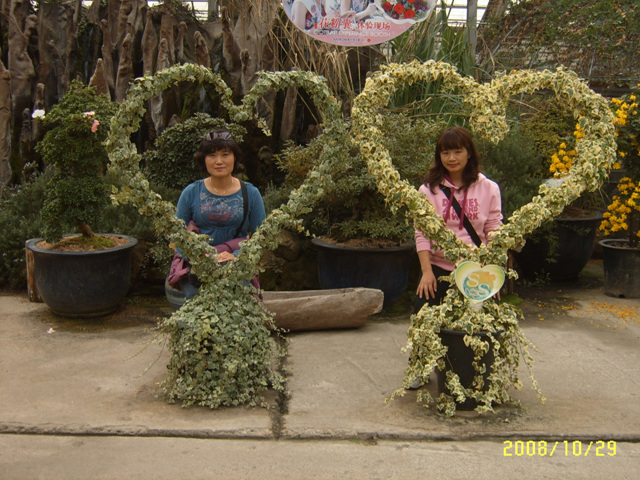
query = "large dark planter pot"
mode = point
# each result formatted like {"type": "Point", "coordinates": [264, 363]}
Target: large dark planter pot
{"type": "Point", "coordinates": [82, 284]}
{"type": "Point", "coordinates": [575, 243]}
{"type": "Point", "coordinates": [386, 269]}
{"type": "Point", "coordinates": [459, 359]}
{"type": "Point", "coordinates": [621, 266]}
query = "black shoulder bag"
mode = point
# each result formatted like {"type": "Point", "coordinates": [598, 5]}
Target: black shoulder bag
{"type": "Point", "coordinates": [245, 207]}
{"type": "Point", "coordinates": [466, 222]}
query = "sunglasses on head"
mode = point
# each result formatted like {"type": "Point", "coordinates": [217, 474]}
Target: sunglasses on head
{"type": "Point", "coordinates": [222, 135]}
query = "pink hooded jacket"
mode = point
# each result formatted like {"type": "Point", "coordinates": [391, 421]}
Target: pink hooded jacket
{"type": "Point", "coordinates": [481, 204]}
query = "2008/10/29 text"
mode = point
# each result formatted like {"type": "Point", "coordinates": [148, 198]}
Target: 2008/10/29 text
{"type": "Point", "coordinates": [520, 448]}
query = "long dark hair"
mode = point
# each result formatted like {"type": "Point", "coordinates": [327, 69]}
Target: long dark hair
{"type": "Point", "coordinates": [450, 139]}
{"type": "Point", "coordinates": [214, 141]}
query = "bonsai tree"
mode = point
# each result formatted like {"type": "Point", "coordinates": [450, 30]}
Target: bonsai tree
{"type": "Point", "coordinates": [622, 213]}
{"type": "Point", "coordinates": [73, 146]}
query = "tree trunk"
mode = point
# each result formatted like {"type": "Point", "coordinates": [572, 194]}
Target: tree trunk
{"type": "Point", "coordinates": [22, 78]}
{"type": "Point", "coordinates": [125, 69]}
{"type": "Point", "coordinates": [495, 9]}
{"type": "Point", "coordinates": [472, 28]}
{"type": "Point", "coordinates": [149, 46]}
{"type": "Point", "coordinates": [5, 123]}
{"type": "Point", "coordinates": [57, 47]}
{"type": "Point", "coordinates": [250, 37]}
{"type": "Point", "coordinates": [99, 80]}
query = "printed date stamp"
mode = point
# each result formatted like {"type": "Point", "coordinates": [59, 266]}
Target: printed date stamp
{"type": "Point", "coordinates": [566, 448]}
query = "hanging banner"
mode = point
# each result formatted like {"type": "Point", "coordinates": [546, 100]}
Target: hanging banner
{"type": "Point", "coordinates": [356, 23]}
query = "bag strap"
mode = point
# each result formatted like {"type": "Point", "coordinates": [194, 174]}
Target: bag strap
{"type": "Point", "coordinates": [466, 222]}
{"type": "Point", "coordinates": [245, 207]}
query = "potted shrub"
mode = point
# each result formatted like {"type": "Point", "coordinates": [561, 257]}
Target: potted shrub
{"type": "Point", "coordinates": [360, 242]}
{"type": "Point", "coordinates": [562, 247]}
{"type": "Point", "coordinates": [621, 256]}
{"type": "Point", "coordinates": [85, 274]}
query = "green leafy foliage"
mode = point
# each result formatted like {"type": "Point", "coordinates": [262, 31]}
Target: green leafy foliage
{"type": "Point", "coordinates": [20, 219]}
{"type": "Point", "coordinates": [432, 39]}
{"type": "Point", "coordinates": [623, 213]}
{"type": "Point", "coordinates": [548, 124]}
{"type": "Point", "coordinates": [517, 166]}
{"type": "Point", "coordinates": [170, 163]}
{"type": "Point", "coordinates": [222, 344]}
{"type": "Point", "coordinates": [214, 336]}
{"type": "Point", "coordinates": [223, 354]}
{"type": "Point", "coordinates": [597, 39]}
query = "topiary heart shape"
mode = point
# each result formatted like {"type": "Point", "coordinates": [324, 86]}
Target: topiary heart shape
{"type": "Point", "coordinates": [488, 103]}
{"type": "Point", "coordinates": [596, 152]}
{"type": "Point", "coordinates": [242, 365]}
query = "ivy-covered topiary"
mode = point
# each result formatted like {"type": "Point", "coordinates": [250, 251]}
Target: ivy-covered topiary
{"type": "Point", "coordinates": [487, 102]}
{"type": "Point", "coordinates": [223, 349]}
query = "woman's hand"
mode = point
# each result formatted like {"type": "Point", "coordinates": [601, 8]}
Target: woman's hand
{"type": "Point", "coordinates": [226, 257]}
{"type": "Point", "coordinates": [428, 285]}
{"type": "Point", "coordinates": [428, 282]}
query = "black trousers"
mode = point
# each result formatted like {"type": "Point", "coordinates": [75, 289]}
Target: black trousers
{"type": "Point", "coordinates": [441, 290]}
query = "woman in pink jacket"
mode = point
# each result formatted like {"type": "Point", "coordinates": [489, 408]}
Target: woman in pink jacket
{"type": "Point", "coordinates": [468, 202]}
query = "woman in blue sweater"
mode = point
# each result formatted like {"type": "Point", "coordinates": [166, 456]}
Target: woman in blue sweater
{"type": "Point", "coordinates": [216, 203]}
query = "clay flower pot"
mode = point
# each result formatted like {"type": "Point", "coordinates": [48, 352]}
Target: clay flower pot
{"type": "Point", "coordinates": [82, 284]}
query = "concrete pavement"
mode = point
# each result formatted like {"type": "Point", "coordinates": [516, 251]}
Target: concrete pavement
{"type": "Point", "coordinates": [81, 400]}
